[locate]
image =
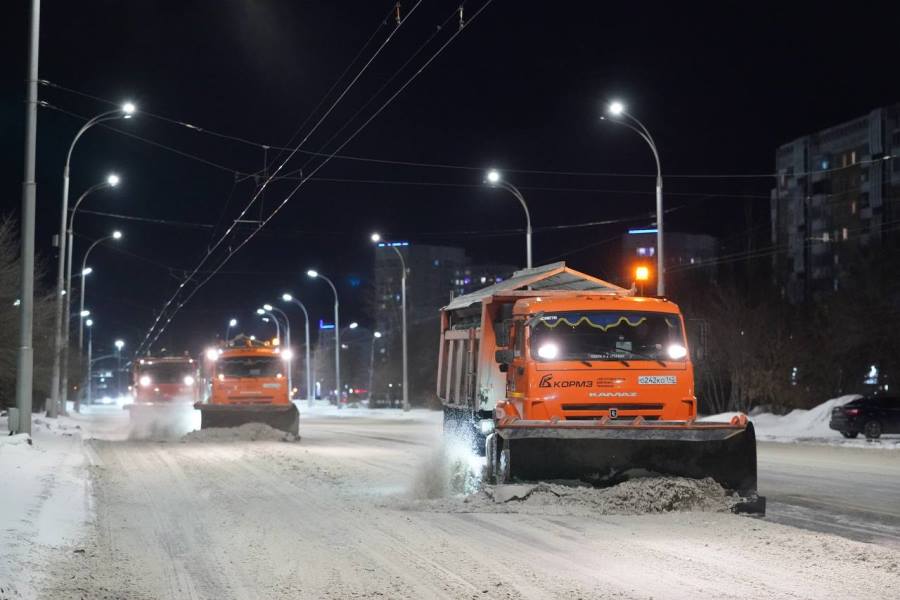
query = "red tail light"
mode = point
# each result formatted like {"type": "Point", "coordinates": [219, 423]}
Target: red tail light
{"type": "Point", "coordinates": [851, 412]}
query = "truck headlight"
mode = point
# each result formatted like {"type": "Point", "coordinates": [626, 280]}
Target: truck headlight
{"type": "Point", "coordinates": [486, 426]}
{"type": "Point", "coordinates": [188, 380]}
{"type": "Point", "coordinates": [676, 351]}
{"type": "Point", "coordinates": [145, 381]}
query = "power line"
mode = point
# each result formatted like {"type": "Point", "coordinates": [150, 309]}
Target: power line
{"type": "Point", "coordinates": [438, 165]}
{"type": "Point", "coordinates": [269, 178]}
{"type": "Point", "coordinates": [352, 136]}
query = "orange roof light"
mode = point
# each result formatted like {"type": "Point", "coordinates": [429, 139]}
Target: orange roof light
{"type": "Point", "coordinates": [642, 273]}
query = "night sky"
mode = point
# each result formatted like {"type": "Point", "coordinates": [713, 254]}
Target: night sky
{"type": "Point", "coordinates": [720, 86]}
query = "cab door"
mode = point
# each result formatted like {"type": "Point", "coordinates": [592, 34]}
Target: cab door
{"type": "Point", "coordinates": [516, 376]}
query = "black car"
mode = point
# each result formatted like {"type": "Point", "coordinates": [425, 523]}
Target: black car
{"type": "Point", "coordinates": [870, 416]}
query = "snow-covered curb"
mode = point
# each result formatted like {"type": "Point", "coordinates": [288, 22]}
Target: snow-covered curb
{"type": "Point", "coordinates": [809, 426]}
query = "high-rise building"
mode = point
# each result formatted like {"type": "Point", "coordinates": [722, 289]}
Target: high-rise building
{"type": "Point", "coordinates": [836, 192]}
{"type": "Point", "coordinates": [435, 275]}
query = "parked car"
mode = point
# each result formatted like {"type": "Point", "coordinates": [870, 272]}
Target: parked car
{"type": "Point", "coordinates": [870, 416]}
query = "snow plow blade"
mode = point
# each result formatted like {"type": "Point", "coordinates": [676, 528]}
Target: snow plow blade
{"type": "Point", "coordinates": [605, 451]}
{"type": "Point", "coordinates": [284, 417]}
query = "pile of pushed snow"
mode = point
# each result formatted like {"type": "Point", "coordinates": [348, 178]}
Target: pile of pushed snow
{"type": "Point", "coordinates": [643, 495]}
{"type": "Point", "coordinates": [248, 432]}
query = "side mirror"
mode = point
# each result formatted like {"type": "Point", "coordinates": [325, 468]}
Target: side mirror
{"type": "Point", "coordinates": [501, 332]}
{"type": "Point", "coordinates": [504, 357]}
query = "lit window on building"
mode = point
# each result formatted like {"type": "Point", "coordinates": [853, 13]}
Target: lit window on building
{"type": "Point", "coordinates": [853, 207]}
{"type": "Point", "coordinates": [646, 251]}
{"type": "Point", "coordinates": [844, 233]}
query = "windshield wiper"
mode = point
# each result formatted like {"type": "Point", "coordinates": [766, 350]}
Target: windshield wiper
{"type": "Point", "coordinates": [586, 363]}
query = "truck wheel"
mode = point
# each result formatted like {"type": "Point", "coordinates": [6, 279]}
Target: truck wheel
{"type": "Point", "coordinates": [872, 430]}
{"type": "Point", "coordinates": [850, 434]}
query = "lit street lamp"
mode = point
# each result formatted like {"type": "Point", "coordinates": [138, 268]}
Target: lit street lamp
{"type": "Point", "coordinates": [494, 179]}
{"type": "Point", "coordinates": [309, 390]}
{"type": "Point", "coordinates": [124, 112]}
{"type": "Point", "coordinates": [312, 274]}
{"type": "Point", "coordinates": [376, 238]}
{"type": "Point", "coordinates": [619, 115]}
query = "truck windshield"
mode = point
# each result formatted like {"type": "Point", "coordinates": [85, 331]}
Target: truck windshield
{"type": "Point", "coordinates": [166, 372]}
{"type": "Point", "coordinates": [249, 366]}
{"type": "Point", "coordinates": [607, 336]}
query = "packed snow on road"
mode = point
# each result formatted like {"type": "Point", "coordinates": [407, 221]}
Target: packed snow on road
{"type": "Point", "coordinates": [370, 504]}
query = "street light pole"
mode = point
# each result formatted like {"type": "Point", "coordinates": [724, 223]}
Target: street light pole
{"type": "Point", "coordinates": [111, 182]}
{"type": "Point", "coordinates": [231, 323]}
{"type": "Point", "coordinates": [89, 386]}
{"type": "Point", "coordinates": [125, 112]}
{"type": "Point", "coordinates": [119, 345]}
{"type": "Point", "coordinates": [116, 235]}
{"type": "Point", "coordinates": [377, 239]}
{"type": "Point", "coordinates": [375, 335]}
{"type": "Point", "coordinates": [494, 179]}
{"type": "Point", "coordinates": [337, 333]}
{"type": "Point", "coordinates": [309, 390]}
{"type": "Point", "coordinates": [25, 356]}
{"type": "Point", "coordinates": [266, 319]}
{"type": "Point", "coordinates": [617, 109]}
{"type": "Point", "coordinates": [272, 310]}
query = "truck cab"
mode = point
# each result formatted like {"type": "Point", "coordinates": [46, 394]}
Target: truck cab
{"type": "Point", "coordinates": [592, 356]}
{"type": "Point", "coordinates": [165, 380]}
{"type": "Point", "coordinates": [247, 375]}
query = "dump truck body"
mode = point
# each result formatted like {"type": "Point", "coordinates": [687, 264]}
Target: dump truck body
{"type": "Point", "coordinates": [558, 375]}
{"type": "Point", "coordinates": [248, 385]}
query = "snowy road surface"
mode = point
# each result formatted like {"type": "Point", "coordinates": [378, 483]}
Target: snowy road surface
{"type": "Point", "coordinates": [848, 491]}
{"type": "Point", "coordinates": [330, 517]}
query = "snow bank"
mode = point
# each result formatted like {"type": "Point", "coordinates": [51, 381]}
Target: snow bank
{"type": "Point", "coordinates": [248, 432]}
{"type": "Point", "coordinates": [811, 425]}
{"type": "Point", "coordinates": [45, 502]}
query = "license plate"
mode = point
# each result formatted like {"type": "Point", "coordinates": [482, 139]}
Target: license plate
{"type": "Point", "coordinates": [657, 380]}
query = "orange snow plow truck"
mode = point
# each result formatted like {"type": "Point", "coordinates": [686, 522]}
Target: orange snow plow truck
{"type": "Point", "coordinates": [247, 385]}
{"type": "Point", "coordinates": [554, 374]}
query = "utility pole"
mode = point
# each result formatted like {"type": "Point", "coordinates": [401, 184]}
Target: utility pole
{"type": "Point", "coordinates": [25, 359]}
